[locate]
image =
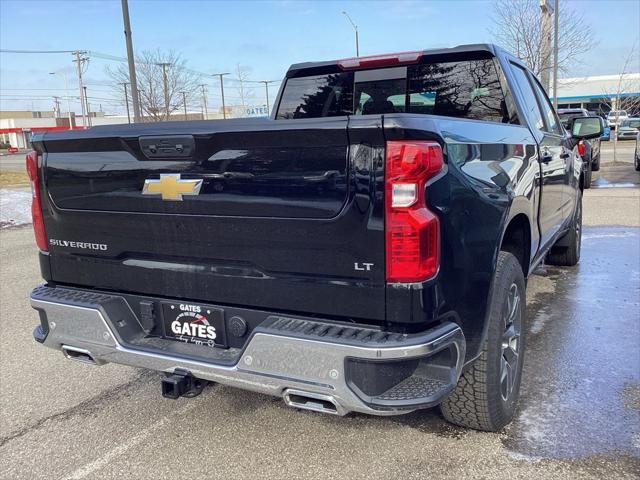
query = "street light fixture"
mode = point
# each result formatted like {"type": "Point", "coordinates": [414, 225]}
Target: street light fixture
{"type": "Point", "coordinates": [66, 87]}
{"type": "Point", "coordinates": [355, 27]}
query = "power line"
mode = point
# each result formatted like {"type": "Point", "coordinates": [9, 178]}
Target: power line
{"type": "Point", "coordinates": [3, 50]}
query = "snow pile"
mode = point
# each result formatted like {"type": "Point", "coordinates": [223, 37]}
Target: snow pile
{"type": "Point", "coordinates": [15, 207]}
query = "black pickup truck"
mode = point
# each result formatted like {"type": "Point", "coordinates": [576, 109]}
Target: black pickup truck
{"type": "Point", "coordinates": [364, 249]}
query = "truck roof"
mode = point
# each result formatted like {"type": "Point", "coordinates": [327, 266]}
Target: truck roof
{"type": "Point", "coordinates": [320, 67]}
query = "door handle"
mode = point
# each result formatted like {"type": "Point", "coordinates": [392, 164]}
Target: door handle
{"type": "Point", "coordinates": [565, 155]}
{"type": "Point", "coordinates": [546, 158]}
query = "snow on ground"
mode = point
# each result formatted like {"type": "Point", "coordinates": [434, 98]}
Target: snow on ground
{"type": "Point", "coordinates": [15, 207]}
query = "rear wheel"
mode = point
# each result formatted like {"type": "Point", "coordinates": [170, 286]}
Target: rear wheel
{"type": "Point", "coordinates": [486, 395]}
{"type": "Point", "coordinates": [566, 252]}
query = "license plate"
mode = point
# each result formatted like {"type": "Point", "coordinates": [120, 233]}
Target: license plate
{"type": "Point", "coordinates": [194, 323]}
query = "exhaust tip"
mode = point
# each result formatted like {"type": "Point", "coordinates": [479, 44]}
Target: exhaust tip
{"type": "Point", "coordinates": [79, 355]}
{"type": "Point", "coordinates": [316, 402]}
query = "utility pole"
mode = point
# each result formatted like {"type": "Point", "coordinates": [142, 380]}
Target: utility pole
{"type": "Point", "coordinates": [56, 106]}
{"type": "Point", "coordinates": [86, 99]}
{"type": "Point", "coordinates": [546, 7]}
{"type": "Point", "coordinates": [266, 91]}
{"type": "Point", "coordinates": [184, 102]}
{"type": "Point", "coordinates": [204, 101]}
{"type": "Point", "coordinates": [355, 27]}
{"type": "Point", "coordinates": [126, 101]}
{"type": "Point", "coordinates": [165, 80]}
{"type": "Point", "coordinates": [132, 66]}
{"type": "Point", "coordinates": [80, 61]}
{"type": "Point", "coordinates": [224, 108]}
{"type": "Point", "coordinates": [66, 89]}
{"type": "Point", "coordinates": [556, 13]}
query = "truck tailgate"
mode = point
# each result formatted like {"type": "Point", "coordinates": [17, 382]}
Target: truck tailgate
{"type": "Point", "coordinates": [279, 215]}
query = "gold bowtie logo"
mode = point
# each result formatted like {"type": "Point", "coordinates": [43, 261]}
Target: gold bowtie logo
{"type": "Point", "coordinates": [171, 187]}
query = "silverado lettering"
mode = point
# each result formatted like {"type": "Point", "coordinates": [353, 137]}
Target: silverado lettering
{"type": "Point", "coordinates": [447, 170]}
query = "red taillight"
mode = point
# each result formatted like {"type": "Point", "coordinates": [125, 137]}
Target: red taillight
{"type": "Point", "coordinates": [412, 231]}
{"type": "Point", "coordinates": [582, 148]}
{"type": "Point", "coordinates": [373, 61]}
{"type": "Point", "coordinates": [36, 205]}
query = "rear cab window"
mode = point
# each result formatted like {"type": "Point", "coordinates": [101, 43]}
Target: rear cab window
{"type": "Point", "coordinates": [468, 89]}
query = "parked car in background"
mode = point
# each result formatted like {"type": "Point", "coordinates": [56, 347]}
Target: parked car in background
{"type": "Point", "coordinates": [636, 157]}
{"type": "Point", "coordinates": [628, 129]}
{"type": "Point", "coordinates": [606, 130]}
{"type": "Point", "coordinates": [590, 149]}
{"type": "Point", "coordinates": [616, 117]}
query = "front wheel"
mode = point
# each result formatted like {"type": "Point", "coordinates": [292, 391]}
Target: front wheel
{"type": "Point", "coordinates": [486, 395]}
{"type": "Point", "coordinates": [595, 163]}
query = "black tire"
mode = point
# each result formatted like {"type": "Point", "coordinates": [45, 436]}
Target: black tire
{"type": "Point", "coordinates": [636, 161]}
{"type": "Point", "coordinates": [486, 395]}
{"type": "Point", "coordinates": [587, 176]}
{"type": "Point", "coordinates": [595, 163]}
{"type": "Point", "coordinates": [566, 252]}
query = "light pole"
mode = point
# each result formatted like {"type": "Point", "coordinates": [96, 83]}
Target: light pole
{"type": "Point", "coordinates": [184, 102]}
{"type": "Point", "coordinates": [204, 101]}
{"type": "Point", "coordinates": [66, 88]}
{"type": "Point", "coordinates": [137, 117]}
{"type": "Point", "coordinates": [266, 91]}
{"type": "Point", "coordinates": [126, 101]}
{"type": "Point", "coordinates": [224, 109]}
{"type": "Point", "coordinates": [555, 53]}
{"type": "Point", "coordinates": [355, 27]}
{"type": "Point", "coordinates": [88, 108]}
{"type": "Point", "coordinates": [165, 80]}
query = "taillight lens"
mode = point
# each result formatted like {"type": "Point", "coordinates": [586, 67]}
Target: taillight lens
{"type": "Point", "coordinates": [412, 231]}
{"type": "Point", "coordinates": [582, 148]}
{"type": "Point", "coordinates": [36, 205]}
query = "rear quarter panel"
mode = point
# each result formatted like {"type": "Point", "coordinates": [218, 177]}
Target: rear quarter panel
{"type": "Point", "coordinates": [491, 174]}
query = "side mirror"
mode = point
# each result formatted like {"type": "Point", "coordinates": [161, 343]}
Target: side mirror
{"type": "Point", "coordinates": [584, 128]}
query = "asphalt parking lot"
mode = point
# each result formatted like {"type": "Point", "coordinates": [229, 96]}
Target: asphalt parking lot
{"type": "Point", "coordinates": [579, 414]}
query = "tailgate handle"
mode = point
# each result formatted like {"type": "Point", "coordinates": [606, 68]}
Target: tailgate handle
{"type": "Point", "coordinates": [169, 147]}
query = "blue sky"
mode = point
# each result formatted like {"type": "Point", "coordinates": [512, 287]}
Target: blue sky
{"type": "Point", "coordinates": [266, 36]}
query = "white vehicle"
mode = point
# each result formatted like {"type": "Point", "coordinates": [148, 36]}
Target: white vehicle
{"type": "Point", "coordinates": [615, 117]}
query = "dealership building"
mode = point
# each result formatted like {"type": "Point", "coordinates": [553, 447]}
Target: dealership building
{"type": "Point", "coordinates": [599, 94]}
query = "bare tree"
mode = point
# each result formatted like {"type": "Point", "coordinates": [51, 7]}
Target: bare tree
{"type": "Point", "coordinates": [154, 101]}
{"type": "Point", "coordinates": [518, 28]}
{"type": "Point", "coordinates": [625, 95]}
{"type": "Point", "coordinates": [243, 74]}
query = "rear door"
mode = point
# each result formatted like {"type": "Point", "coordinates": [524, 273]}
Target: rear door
{"type": "Point", "coordinates": [273, 215]}
{"type": "Point", "coordinates": [550, 158]}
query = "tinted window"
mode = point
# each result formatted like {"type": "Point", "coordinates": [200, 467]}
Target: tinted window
{"type": "Point", "coordinates": [531, 108]}
{"type": "Point", "coordinates": [547, 109]}
{"type": "Point", "coordinates": [317, 96]}
{"type": "Point", "coordinates": [469, 89]}
{"type": "Point", "coordinates": [465, 89]}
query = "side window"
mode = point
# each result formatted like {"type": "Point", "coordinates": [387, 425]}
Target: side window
{"type": "Point", "coordinates": [531, 107]}
{"type": "Point", "coordinates": [552, 120]}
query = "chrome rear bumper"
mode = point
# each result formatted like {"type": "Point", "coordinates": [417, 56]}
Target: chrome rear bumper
{"type": "Point", "coordinates": [279, 359]}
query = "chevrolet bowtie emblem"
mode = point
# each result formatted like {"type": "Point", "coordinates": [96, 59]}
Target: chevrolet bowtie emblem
{"type": "Point", "coordinates": [171, 187]}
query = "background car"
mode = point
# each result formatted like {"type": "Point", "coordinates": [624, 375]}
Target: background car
{"type": "Point", "coordinates": [615, 117]}
{"type": "Point", "coordinates": [606, 130]}
{"type": "Point", "coordinates": [636, 157]}
{"type": "Point", "coordinates": [591, 158]}
{"type": "Point", "coordinates": [628, 129]}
